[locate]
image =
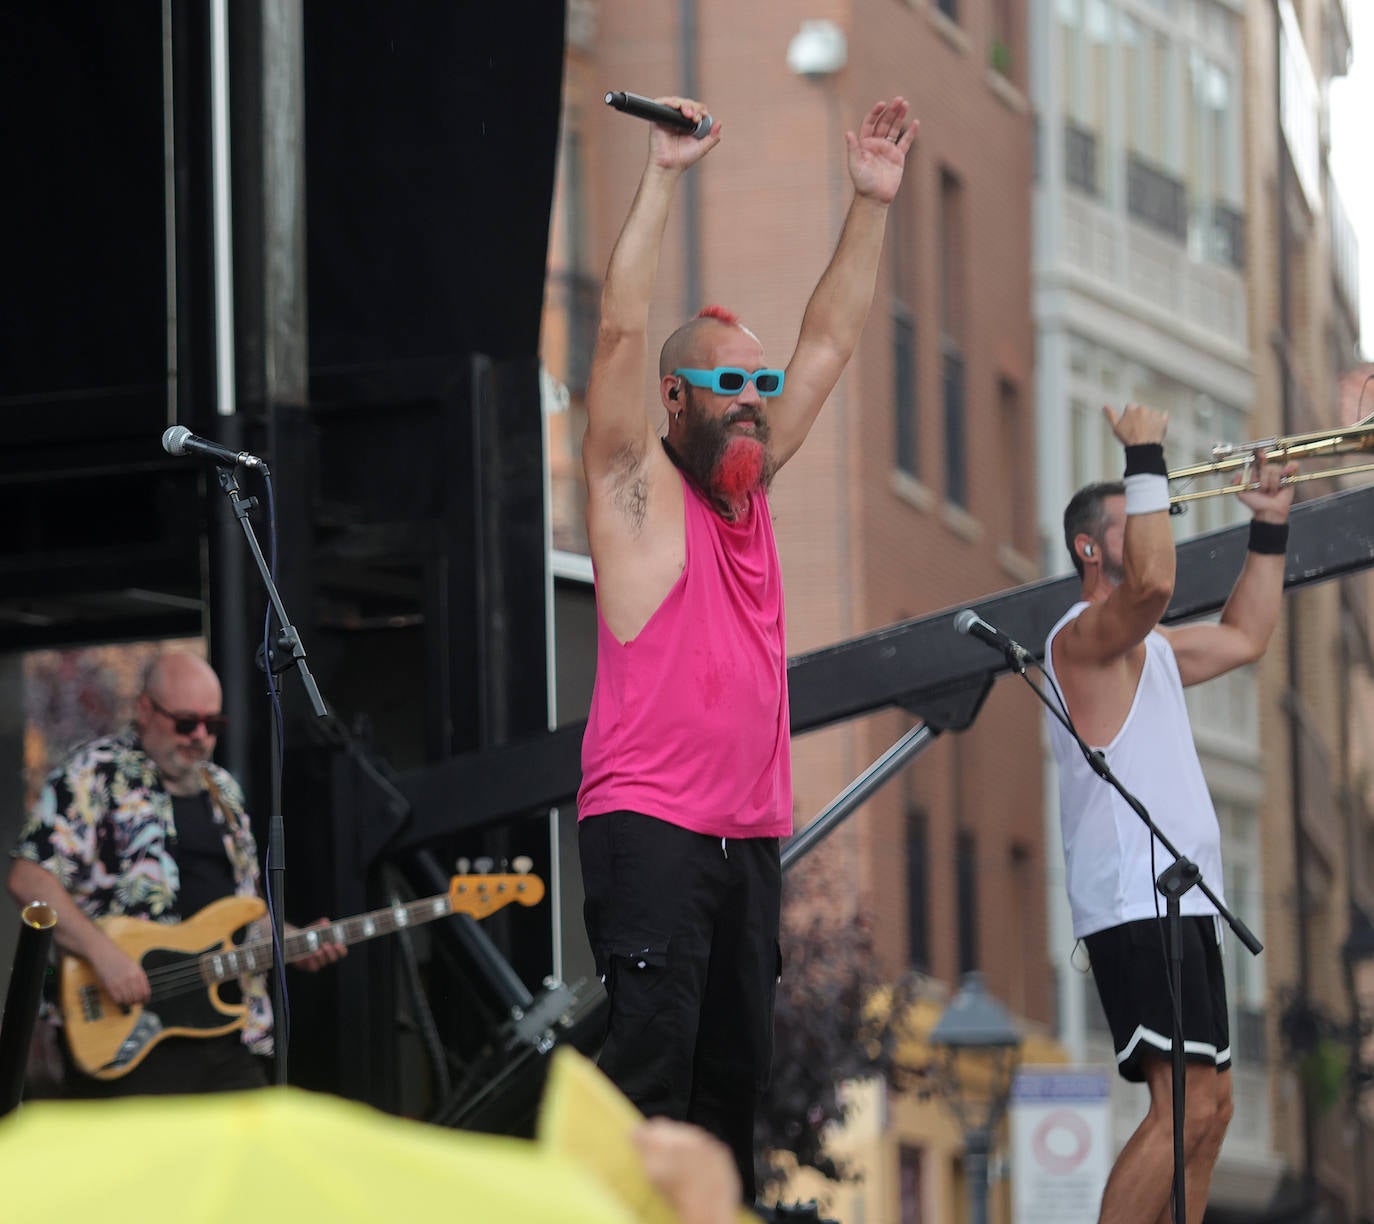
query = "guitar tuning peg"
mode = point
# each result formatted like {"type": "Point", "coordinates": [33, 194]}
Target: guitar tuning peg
{"type": "Point", "coordinates": [483, 865]}
{"type": "Point", "coordinates": [522, 864]}
{"type": "Point", "coordinates": [463, 866]}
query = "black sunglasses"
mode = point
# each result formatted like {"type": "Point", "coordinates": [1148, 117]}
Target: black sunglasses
{"type": "Point", "coordinates": [185, 723]}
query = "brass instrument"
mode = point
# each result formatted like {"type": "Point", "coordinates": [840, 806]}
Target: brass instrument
{"type": "Point", "coordinates": [1323, 445]}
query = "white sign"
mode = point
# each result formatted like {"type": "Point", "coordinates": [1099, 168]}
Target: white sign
{"type": "Point", "coordinates": [1060, 1144]}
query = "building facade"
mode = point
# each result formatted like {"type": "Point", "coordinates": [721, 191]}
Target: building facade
{"type": "Point", "coordinates": [1191, 253]}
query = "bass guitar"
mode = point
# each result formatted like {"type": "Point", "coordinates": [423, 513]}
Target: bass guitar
{"type": "Point", "coordinates": [186, 962]}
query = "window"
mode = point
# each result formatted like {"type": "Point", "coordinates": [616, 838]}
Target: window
{"type": "Point", "coordinates": [1017, 464]}
{"type": "Point", "coordinates": [909, 1184]}
{"type": "Point", "coordinates": [966, 884]}
{"type": "Point", "coordinates": [918, 888]}
{"type": "Point", "coordinates": [1002, 39]}
{"type": "Point", "coordinates": [951, 247]}
{"type": "Point", "coordinates": [904, 371]}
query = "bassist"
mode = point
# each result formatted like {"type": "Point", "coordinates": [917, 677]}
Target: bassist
{"type": "Point", "coordinates": [143, 825]}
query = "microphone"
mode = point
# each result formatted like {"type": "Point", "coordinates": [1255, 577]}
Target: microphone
{"type": "Point", "coordinates": [969, 622]}
{"type": "Point", "coordinates": [178, 440]}
{"type": "Point", "coordinates": [656, 112]}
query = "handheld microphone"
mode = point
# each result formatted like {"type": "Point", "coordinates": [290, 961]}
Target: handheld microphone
{"type": "Point", "coordinates": [969, 622]}
{"type": "Point", "coordinates": [656, 112]}
{"type": "Point", "coordinates": [178, 440]}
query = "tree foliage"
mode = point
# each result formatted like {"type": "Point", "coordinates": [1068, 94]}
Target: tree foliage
{"type": "Point", "coordinates": [825, 1033]}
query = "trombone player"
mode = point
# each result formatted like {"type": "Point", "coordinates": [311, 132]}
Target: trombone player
{"type": "Point", "coordinates": [1122, 677]}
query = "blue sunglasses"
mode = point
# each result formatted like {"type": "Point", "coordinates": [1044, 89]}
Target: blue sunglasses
{"type": "Point", "coordinates": [730, 380]}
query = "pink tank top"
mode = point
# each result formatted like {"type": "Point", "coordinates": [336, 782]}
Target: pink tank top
{"type": "Point", "coordinates": [689, 720]}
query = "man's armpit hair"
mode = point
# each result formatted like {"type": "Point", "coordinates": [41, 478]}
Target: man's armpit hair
{"type": "Point", "coordinates": [630, 485]}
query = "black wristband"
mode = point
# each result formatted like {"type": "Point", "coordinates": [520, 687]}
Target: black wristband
{"type": "Point", "coordinates": [1146, 459]}
{"type": "Point", "coordinates": [1268, 538]}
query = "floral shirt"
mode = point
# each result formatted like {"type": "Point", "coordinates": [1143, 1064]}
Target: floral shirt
{"type": "Point", "coordinates": [104, 826]}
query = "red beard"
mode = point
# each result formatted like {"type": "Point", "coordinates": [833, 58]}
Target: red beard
{"type": "Point", "coordinates": [740, 469]}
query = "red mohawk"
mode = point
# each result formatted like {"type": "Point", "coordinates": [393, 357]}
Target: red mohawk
{"type": "Point", "coordinates": [723, 313]}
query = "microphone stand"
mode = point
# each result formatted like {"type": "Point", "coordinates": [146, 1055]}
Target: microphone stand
{"type": "Point", "coordinates": [289, 652]}
{"type": "Point", "coordinates": [1173, 882]}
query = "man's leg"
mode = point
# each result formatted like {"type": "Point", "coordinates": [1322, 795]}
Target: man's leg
{"type": "Point", "coordinates": [734, 1052]}
{"type": "Point", "coordinates": [1131, 973]}
{"type": "Point", "coordinates": [650, 894]}
{"type": "Point", "coordinates": [1139, 1189]}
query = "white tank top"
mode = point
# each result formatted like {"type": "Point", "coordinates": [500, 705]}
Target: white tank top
{"type": "Point", "coordinates": [1107, 861]}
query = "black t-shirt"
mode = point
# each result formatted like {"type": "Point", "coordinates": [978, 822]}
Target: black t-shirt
{"type": "Point", "coordinates": [206, 874]}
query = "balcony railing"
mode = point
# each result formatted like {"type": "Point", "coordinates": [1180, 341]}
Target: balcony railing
{"type": "Point", "coordinates": [1156, 198]}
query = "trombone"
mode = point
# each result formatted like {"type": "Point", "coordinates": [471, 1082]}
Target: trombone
{"type": "Point", "coordinates": [1323, 445]}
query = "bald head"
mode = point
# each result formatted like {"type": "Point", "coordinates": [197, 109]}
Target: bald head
{"type": "Point", "coordinates": [691, 346]}
{"type": "Point", "coordinates": [181, 681]}
{"type": "Point", "coordinates": [177, 689]}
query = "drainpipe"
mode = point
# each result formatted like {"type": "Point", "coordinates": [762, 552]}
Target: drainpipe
{"type": "Point", "coordinates": [691, 195]}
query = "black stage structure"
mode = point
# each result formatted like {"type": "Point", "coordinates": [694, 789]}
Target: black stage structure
{"type": "Point", "coordinates": [392, 174]}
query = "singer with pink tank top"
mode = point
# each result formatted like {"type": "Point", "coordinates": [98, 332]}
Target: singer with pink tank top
{"type": "Point", "coordinates": [686, 769]}
{"type": "Point", "coordinates": [689, 720]}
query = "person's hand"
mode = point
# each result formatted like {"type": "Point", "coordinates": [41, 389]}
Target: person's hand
{"type": "Point", "coordinates": [1271, 501]}
{"type": "Point", "coordinates": [326, 953]}
{"type": "Point", "coordinates": [877, 155]}
{"type": "Point", "coordinates": [670, 149]}
{"type": "Point", "coordinates": [1137, 425]}
{"type": "Point", "coordinates": [120, 976]}
{"type": "Point", "coordinates": [692, 1169]}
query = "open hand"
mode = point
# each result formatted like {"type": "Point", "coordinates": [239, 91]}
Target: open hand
{"type": "Point", "coordinates": [877, 155]}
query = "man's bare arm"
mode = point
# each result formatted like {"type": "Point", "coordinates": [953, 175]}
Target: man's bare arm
{"type": "Point", "coordinates": [839, 305]}
{"type": "Point", "coordinates": [1252, 609]}
{"type": "Point", "coordinates": [1108, 629]}
{"type": "Point", "coordinates": [618, 428]}
{"type": "Point", "coordinates": [119, 974]}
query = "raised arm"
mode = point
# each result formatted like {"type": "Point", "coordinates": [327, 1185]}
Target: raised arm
{"type": "Point", "coordinates": [839, 304]}
{"type": "Point", "coordinates": [618, 427]}
{"type": "Point", "coordinates": [1252, 610]}
{"type": "Point", "coordinates": [1136, 599]}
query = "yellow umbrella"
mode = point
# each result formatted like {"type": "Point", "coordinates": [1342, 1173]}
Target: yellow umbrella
{"type": "Point", "coordinates": [278, 1155]}
{"type": "Point", "coordinates": [284, 1154]}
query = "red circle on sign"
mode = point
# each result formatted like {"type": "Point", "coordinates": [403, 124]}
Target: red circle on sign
{"type": "Point", "coordinates": [1061, 1162]}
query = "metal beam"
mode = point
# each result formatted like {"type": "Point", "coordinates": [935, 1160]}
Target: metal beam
{"type": "Point", "coordinates": [917, 664]}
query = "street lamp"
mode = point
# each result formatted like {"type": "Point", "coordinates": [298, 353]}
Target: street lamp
{"type": "Point", "coordinates": [976, 1049]}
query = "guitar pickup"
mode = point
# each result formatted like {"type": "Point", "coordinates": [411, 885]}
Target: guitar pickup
{"type": "Point", "coordinates": [90, 1003]}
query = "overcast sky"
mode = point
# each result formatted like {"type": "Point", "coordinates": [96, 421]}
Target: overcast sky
{"type": "Point", "coordinates": [1352, 154]}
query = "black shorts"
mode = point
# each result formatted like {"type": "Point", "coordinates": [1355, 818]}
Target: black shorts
{"type": "Point", "coordinates": [1131, 968]}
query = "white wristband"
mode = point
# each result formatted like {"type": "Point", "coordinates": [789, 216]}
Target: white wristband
{"type": "Point", "coordinates": [1146, 493]}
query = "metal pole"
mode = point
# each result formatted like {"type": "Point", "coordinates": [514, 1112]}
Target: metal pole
{"type": "Point", "coordinates": [977, 1145]}
{"type": "Point", "coordinates": [912, 743]}
{"type": "Point", "coordinates": [38, 922]}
